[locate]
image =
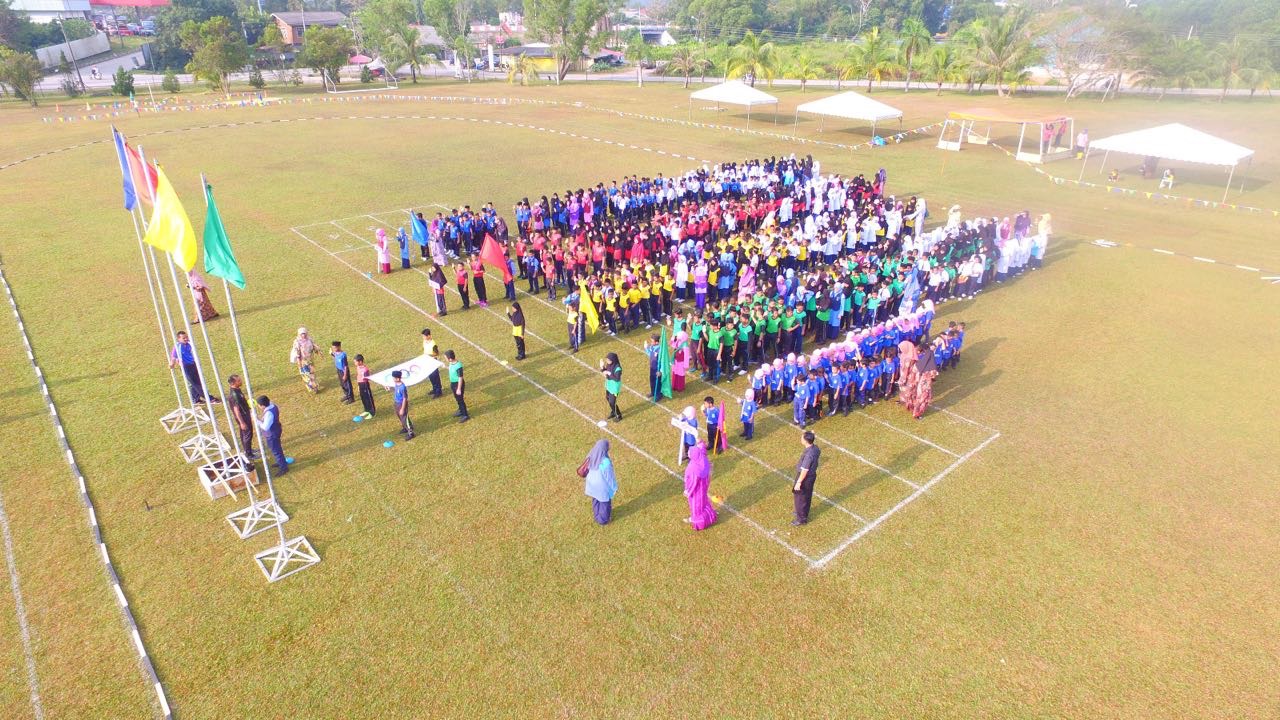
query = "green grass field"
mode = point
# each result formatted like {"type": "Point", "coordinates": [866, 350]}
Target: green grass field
{"type": "Point", "coordinates": [1100, 540]}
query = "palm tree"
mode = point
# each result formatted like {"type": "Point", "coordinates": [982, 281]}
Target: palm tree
{"type": "Point", "coordinates": [638, 52]}
{"type": "Point", "coordinates": [1233, 61]}
{"type": "Point", "coordinates": [754, 56]}
{"type": "Point", "coordinates": [805, 69]}
{"type": "Point", "coordinates": [1177, 63]}
{"type": "Point", "coordinates": [872, 57]}
{"type": "Point", "coordinates": [915, 40]}
{"type": "Point", "coordinates": [943, 64]}
{"type": "Point", "coordinates": [523, 67]}
{"type": "Point", "coordinates": [685, 61]}
{"type": "Point", "coordinates": [1005, 48]}
{"type": "Point", "coordinates": [403, 47]}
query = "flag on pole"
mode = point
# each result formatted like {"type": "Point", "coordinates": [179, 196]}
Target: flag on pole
{"type": "Point", "coordinates": [143, 175]}
{"type": "Point", "coordinates": [419, 229]}
{"type": "Point", "coordinates": [170, 228]}
{"type": "Point", "coordinates": [724, 439]}
{"type": "Point", "coordinates": [219, 261]}
{"type": "Point", "coordinates": [664, 367]}
{"type": "Point", "coordinates": [126, 178]}
{"type": "Point", "coordinates": [492, 253]}
{"type": "Point", "coordinates": [588, 308]}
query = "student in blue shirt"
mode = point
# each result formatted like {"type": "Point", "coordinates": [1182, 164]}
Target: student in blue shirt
{"type": "Point", "coordinates": [712, 413]}
{"type": "Point", "coordinates": [835, 388]}
{"type": "Point", "coordinates": [800, 401]}
{"type": "Point", "coordinates": [748, 416]}
{"type": "Point", "coordinates": [886, 377]}
{"type": "Point", "coordinates": [775, 383]}
{"type": "Point", "coordinates": [688, 439]}
{"type": "Point", "coordinates": [403, 239]}
{"type": "Point", "coordinates": [400, 393]}
{"type": "Point", "coordinates": [185, 355]}
{"type": "Point", "coordinates": [817, 384]}
{"type": "Point", "coordinates": [850, 373]}
{"type": "Point", "coordinates": [344, 372]}
{"type": "Point", "coordinates": [864, 382]}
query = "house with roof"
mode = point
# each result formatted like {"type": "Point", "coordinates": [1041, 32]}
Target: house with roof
{"type": "Point", "coordinates": [293, 24]}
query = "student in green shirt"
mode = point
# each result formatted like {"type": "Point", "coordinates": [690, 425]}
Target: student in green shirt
{"type": "Point", "coordinates": [771, 325]}
{"type": "Point", "coordinates": [714, 338]}
{"type": "Point", "coordinates": [458, 385]}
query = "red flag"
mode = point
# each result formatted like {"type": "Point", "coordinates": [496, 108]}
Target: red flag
{"type": "Point", "coordinates": [144, 176]}
{"type": "Point", "coordinates": [492, 253]}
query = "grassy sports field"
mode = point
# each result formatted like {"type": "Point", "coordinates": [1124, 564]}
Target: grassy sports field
{"type": "Point", "coordinates": [1084, 528]}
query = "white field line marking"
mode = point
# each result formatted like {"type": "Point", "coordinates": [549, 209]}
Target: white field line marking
{"type": "Point", "coordinates": [1250, 269]}
{"type": "Point", "coordinates": [591, 421]}
{"type": "Point", "coordinates": [20, 608]}
{"type": "Point", "coordinates": [1203, 259]}
{"type": "Point", "coordinates": [822, 561]}
{"type": "Point", "coordinates": [1163, 252]}
{"type": "Point", "coordinates": [647, 399]}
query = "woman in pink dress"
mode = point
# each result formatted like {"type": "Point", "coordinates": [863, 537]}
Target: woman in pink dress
{"type": "Point", "coordinates": [697, 484]}
{"type": "Point", "coordinates": [679, 360]}
{"type": "Point", "coordinates": [384, 256]}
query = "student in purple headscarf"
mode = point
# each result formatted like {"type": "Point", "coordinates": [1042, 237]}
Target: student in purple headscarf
{"type": "Point", "coordinates": [697, 485]}
{"type": "Point", "coordinates": [601, 483]}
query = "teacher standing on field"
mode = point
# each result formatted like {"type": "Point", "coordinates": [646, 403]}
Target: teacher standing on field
{"type": "Point", "coordinates": [806, 476]}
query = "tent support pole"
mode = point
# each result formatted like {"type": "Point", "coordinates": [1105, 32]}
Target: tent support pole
{"type": "Point", "coordinates": [775, 113]}
{"type": "Point", "coordinates": [1021, 134]}
{"type": "Point", "coordinates": [796, 127]}
{"type": "Point", "coordinates": [1103, 166]}
{"type": "Point", "coordinates": [1230, 175]}
{"type": "Point", "coordinates": [1084, 164]}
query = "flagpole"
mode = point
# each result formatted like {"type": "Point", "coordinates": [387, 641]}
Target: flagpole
{"type": "Point", "coordinates": [291, 555]}
{"type": "Point", "coordinates": [218, 442]}
{"type": "Point", "coordinates": [244, 369]}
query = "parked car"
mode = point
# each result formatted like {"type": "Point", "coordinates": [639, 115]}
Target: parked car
{"type": "Point", "coordinates": [124, 30]}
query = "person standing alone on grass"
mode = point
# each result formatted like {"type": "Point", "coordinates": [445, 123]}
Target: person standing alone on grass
{"type": "Point", "coordinates": [344, 371]}
{"type": "Point", "coordinates": [437, 281]}
{"type": "Point", "coordinates": [401, 394]}
{"type": "Point", "coordinates": [601, 482]}
{"type": "Point", "coordinates": [611, 367]}
{"type": "Point", "coordinates": [242, 415]}
{"type": "Point", "coordinates": [272, 430]}
{"type": "Point", "coordinates": [458, 385]}
{"type": "Point", "coordinates": [517, 328]}
{"type": "Point", "coordinates": [806, 476]}
{"type": "Point", "coordinates": [302, 355]}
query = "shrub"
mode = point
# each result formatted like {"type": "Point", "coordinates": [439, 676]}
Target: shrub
{"type": "Point", "coordinates": [170, 82]}
{"type": "Point", "coordinates": [122, 82]}
{"type": "Point", "coordinates": [256, 80]}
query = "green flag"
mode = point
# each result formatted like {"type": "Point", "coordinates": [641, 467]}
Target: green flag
{"type": "Point", "coordinates": [664, 366]}
{"type": "Point", "coordinates": [219, 261]}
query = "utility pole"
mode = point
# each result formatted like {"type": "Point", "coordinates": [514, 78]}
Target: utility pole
{"type": "Point", "coordinates": [74, 66]}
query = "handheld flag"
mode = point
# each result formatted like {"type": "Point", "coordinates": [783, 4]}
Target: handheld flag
{"type": "Point", "coordinates": [219, 261]}
{"type": "Point", "coordinates": [130, 193]}
{"type": "Point", "coordinates": [170, 228]}
{"type": "Point", "coordinates": [664, 367]}
{"type": "Point", "coordinates": [419, 229]}
{"type": "Point", "coordinates": [588, 308]}
{"type": "Point", "coordinates": [724, 439]}
{"type": "Point", "coordinates": [491, 253]}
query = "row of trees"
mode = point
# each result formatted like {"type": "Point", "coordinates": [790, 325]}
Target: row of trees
{"type": "Point", "coordinates": [1084, 48]}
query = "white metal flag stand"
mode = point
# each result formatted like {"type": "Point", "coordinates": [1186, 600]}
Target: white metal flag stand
{"type": "Point", "coordinates": [292, 554]}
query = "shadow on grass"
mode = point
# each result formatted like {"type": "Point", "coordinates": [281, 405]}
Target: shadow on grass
{"type": "Point", "coordinates": [275, 305]}
{"type": "Point", "coordinates": [869, 478]}
{"type": "Point", "coordinates": [661, 490]}
{"type": "Point", "coordinates": [968, 376]}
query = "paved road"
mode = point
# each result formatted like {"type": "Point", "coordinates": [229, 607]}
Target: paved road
{"type": "Point", "coordinates": [106, 68]}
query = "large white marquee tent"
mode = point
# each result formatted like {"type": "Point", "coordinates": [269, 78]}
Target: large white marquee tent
{"type": "Point", "coordinates": [1176, 142]}
{"type": "Point", "coordinates": [850, 106]}
{"type": "Point", "coordinates": [735, 92]}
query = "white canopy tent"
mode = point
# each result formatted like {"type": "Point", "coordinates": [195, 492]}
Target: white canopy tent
{"type": "Point", "coordinates": [850, 106]}
{"type": "Point", "coordinates": [735, 92]}
{"type": "Point", "coordinates": [1177, 142]}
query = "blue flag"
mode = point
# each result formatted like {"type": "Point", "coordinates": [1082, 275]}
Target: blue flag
{"type": "Point", "coordinates": [130, 192]}
{"type": "Point", "coordinates": [419, 229]}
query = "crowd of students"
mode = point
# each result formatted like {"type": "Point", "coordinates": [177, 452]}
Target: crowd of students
{"type": "Point", "coordinates": [747, 263]}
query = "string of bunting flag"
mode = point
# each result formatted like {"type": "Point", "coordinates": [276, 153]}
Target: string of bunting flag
{"type": "Point", "coordinates": [257, 100]}
{"type": "Point", "coordinates": [1149, 195]}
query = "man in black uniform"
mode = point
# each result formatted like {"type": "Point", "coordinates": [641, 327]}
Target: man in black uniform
{"type": "Point", "coordinates": [242, 415]}
{"type": "Point", "coordinates": [806, 475]}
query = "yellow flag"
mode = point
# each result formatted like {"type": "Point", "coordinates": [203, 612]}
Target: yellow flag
{"type": "Point", "coordinates": [588, 308]}
{"type": "Point", "coordinates": [170, 229]}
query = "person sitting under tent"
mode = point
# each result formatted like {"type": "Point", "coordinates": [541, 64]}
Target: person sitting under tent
{"type": "Point", "coordinates": [1166, 180]}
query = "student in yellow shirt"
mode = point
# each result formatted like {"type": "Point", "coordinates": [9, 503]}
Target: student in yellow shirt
{"type": "Point", "coordinates": [713, 274]}
{"type": "Point", "coordinates": [575, 338]}
{"type": "Point", "coordinates": [517, 328]}
{"type": "Point", "coordinates": [668, 293]}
